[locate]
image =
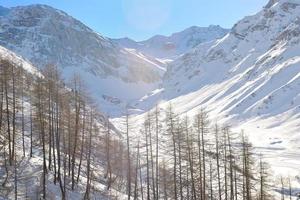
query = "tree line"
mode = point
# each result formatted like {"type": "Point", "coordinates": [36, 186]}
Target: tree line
{"type": "Point", "coordinates": [41, 117]}
{"type": "Point", "coordinates": [178, 157]}
{"type": "Point", "coordinates": [172, 157]}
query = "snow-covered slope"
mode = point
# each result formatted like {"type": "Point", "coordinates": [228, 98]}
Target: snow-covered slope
{"type": "Point", "coordinates": [30, 168]}
{"type": "Point", "coordinates": [6, 54]}
{"type": "Point", "coordinates": [45, 35]}
{"type": "Point", "coordinates": [250, 79]}
{"type": "Point", "coordinates": [170, 47]}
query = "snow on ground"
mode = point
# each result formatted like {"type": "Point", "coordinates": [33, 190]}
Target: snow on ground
{"type": "Point", "coordinates": [250, 80]}
{"type": "Point", "coordinates": [19, 61]}
{"type": "Point", "coordinates": [29, 170]}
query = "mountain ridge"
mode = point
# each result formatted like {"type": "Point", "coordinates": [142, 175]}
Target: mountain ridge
{"type": "Point", "coordinates": [249, 75]}
{"type": "Point", "coordinates": [172, 46]}
{"type": "Point", "coordinates": [45, 35]}
{"type": "Point", "coordinates": [249, 80]}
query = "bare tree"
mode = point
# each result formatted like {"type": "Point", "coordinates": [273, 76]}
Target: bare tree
{"type": "Point", "coordinates": [171, 129]}
{"type": "Point", "coordinates": [128, 158]}
{"type": "Point", "coordinates": [89, 149]}
{"type": "Point", "coordinates": [217, 146]}
{"type": "Point", "coordinates": [136, 172]}
{"type": "Point", "coordinates": [108, 174]}
{"type": "Point", "coordinates": [282, 182]}
{"type": "Point", "coordinates": [157, 131]}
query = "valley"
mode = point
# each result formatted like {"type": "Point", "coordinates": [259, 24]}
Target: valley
{"type": "Point", "coordinates": [150, 118]}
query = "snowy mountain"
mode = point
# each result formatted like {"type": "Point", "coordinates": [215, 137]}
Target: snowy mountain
{"type": "Point", "coordinates": [249, 79]}
{"type": "Point", "coordinates": [170, 47]}
{"type": "Point", "coordinates": [45, 35]}
{"type": "Point", "coordinates": [257, 62]}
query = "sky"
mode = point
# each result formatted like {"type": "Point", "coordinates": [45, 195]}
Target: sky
{"type": "Point", "coordinates": [142, 19]}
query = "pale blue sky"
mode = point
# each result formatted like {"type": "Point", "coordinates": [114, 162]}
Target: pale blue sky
{"type": "Point", "coordinates": [141, 19]}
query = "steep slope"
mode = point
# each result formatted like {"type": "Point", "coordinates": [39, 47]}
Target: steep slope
{"type": "Point", "coordinates": [249, 79]}
{"type": "Point", "coordinates": [45, 35]}
{"type": "Point", "coordinates": [6, 54]}
{"type": "Point", "coordinates": [27, 143]}
{"type": "Point", "coordinates": [170, 47]}
{"type": "Point", "coordinates": [257, 62]}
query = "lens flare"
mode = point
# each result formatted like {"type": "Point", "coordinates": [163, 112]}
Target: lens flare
{"type": "Point", "coordinates": [146, 15]}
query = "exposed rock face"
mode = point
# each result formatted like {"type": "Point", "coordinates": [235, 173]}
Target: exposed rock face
{"type": "Point", "coordinates": [45, 35]}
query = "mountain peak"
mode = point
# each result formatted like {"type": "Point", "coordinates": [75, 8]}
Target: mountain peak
{"type": "Point", "coordinates": [271, 3]}
{"type": "Point", "coordinates": [45, 35]}
{"type": "Point", "coordinates": [246, 75]}
{"type": "Point", "coordinates": [37, 8]}
{"type": "Point", "coordinates": [172, 46]}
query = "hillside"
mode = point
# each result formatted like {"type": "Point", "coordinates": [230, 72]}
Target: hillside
{"type": "Point", "coordinates": [46, 127]}
{"type": "Point", "coordinates": [45, 35]}
{"type": "Point", "coordinates": [248, 79]}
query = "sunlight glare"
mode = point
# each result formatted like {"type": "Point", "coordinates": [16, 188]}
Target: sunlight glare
{"type": "Point", "coordinates": [147, 15]}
